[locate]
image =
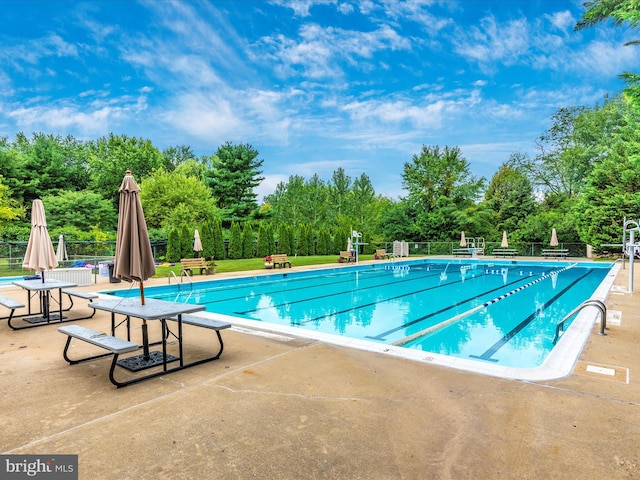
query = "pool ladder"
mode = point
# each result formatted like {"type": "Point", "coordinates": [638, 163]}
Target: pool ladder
{"type": "Point", "coordinates": [183, 273]}
{"type": "Point", "coordinates": [587, 303]}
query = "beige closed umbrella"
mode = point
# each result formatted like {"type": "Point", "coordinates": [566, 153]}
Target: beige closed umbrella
{"type": "Point", "coordinates": [554, 238]}
{"type": "Point", "coordinates": [463, 240]}
{"type": "Point", "coordinates": [61, 251]}
{"type": "Point", "coordinates": [197, 244]}
{"type": "Point", "coordinates": [134, 257]}
{"type": "Point", "coordinates": [39, 255]}
{"type": "Point", "coordinates": [505, 243]}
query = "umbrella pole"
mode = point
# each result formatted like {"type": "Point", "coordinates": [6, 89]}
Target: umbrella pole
{"type": "Point", "coordinates": [145, 334]}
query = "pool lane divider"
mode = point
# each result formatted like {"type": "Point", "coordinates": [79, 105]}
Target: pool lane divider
{"type": "Point", "coordinates": [460, 316]}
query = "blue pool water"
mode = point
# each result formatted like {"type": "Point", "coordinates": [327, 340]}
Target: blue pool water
{"type": "Point", "coordinates": [391, 302]}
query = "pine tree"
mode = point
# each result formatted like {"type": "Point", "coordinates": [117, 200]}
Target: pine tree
{"type": "Point", "coordinates": [262, 245]}
{"type": "Point", "coordinates": [248, 241]}
{"type": "Point", "coordinates": [173, 246]}
{"type": "Point", "coordinates": [186, 242]}
{"type": "Point", "coordinates": [218, 240]}
{"type": "Point", "coordinates": [235, 241]}
{"type": "Point", "coordinates": [284, 245]}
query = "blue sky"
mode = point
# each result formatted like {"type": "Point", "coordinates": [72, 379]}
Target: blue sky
{"type": "Point", "coordinates": [313, 85]}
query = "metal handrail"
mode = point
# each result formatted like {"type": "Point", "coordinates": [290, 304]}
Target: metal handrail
{"type": "Point", "coordinates": [171, 273]}
{"type": "Point", "coordinates": [592, 302]}
{"type": "Point", "coordinates": [184, 273]}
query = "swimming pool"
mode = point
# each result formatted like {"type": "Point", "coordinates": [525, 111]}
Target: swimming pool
{"type": "Point", "coordinates": [496, 313]}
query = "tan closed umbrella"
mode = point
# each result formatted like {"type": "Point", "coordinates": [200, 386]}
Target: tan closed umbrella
{"type": "Point", "coordinates": [197, 244]}
{"type": "Point", "coordinates": [463, 241]}
{"type": "Point", "coordinates": [505, 243]}
{"type": "Point", "coordinates": [134, 257]}
{"type": "Point", "coordinates": [61, 251]}
{"type": "Point", "coordinates": [39, 255]}
{"type": "Point", "coordinates": [554, 238]}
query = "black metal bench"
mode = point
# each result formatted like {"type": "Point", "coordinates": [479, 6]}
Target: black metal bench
{"type": "Point", "coordinates": [504, 252]}
{"type": "Point", "coordinates": [556, 253]}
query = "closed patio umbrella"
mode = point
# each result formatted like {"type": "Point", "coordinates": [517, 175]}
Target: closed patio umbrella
{"type": "Point", "coordinates": [61, 251]}
{"type": "Point", "coordinates": [39, 255]}
{"type": "Point", "coordinates": [197, 244]}
{"type": "Point", "coordinates": [134, 258]}
{"type": "Point", "coordinates": [463, 241]}
{"type": "Point", "coordinates": [505, 243]}
{"type": "Point", "coordinates": [554, 238]}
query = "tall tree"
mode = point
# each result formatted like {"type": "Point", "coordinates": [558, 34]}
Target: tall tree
{"type": "Point", "coordinates": [612, 188]}
{"type": "Point", "coordinates": [10, 209]}
{"type": "Point", "coordinates": [236, 172]}
{"type": "Point", "coordinates": [235, 241]}
{"type": "Point", "coordinates": [620, 12]}
{"type": "Point", "coordinates": [110, 157]}
{"type": "Point", "coordinates": [173, 198]}
{"type": "Point", "coordinates": [248, 241]}
{"type": "Point", "coordinates": [510, 195]}
{"type": "Point", "coordinates": [439, 183]}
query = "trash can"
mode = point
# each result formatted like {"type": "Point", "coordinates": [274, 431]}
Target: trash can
{"type": "Point", "coordinates": [112, 279]}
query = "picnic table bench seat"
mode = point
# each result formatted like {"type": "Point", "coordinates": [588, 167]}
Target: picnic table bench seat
{"type": "Point", "coordinates": [80, 294]}
{"type": "Point", "coordinates": [189, 264]}
{"type": "Point", "coordinates": [114, 346]}
{"type": "Point", "coordinates": [11, 304]}
{"type": "Point", "coordinates": [202, 322]}
{"type": "Point", "coordinates": [280, 260]}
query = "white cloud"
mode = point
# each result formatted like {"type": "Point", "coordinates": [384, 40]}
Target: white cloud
{"type": "Point", "coordinates": [563, 21]}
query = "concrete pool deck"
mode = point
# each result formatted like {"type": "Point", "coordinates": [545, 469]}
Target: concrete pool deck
{"type": "Point", "coordinates": [285, 407]}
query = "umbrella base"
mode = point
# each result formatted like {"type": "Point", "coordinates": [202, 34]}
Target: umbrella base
{"type": "Point", "coordinates": [138, 362]}
{"type": "Point", "coordinates": [52, 318]}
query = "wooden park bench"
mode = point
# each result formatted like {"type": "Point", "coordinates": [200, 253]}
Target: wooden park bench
{"type": "Point", "coordinates": [280, 260]}
{"type": "Point", "coordinates": [346, 256]}
{"type": "Point", "coordinates": [189, 264]}
{"type": "Point", "coordinates": [382, 253]}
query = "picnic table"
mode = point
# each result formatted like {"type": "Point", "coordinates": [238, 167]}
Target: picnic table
{"type": "Point", "coordinates": [45, 291]}
{"type": "Point", "coordinates": [153, 309]}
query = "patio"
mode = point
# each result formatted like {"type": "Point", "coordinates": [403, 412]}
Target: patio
{"type": "Point", "coordinates": [278, 407]}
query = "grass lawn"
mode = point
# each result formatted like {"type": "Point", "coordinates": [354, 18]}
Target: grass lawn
{"type": "Point", "coordinates": [246, 264]}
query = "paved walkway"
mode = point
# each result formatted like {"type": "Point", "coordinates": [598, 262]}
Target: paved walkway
{"type": "Point", "coordinates": [276, 407]}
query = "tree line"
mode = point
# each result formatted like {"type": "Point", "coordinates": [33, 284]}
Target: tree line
{"type": "Point", "coordinates": [582, 181]}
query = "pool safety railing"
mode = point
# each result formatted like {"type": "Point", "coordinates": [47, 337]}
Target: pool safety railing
{"type": "Point", "coordinates": [183, 273]}
{"type": "Point", "coordinates": [460, 316]}
{"type": "Point", "coordinates": [592, 302]}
